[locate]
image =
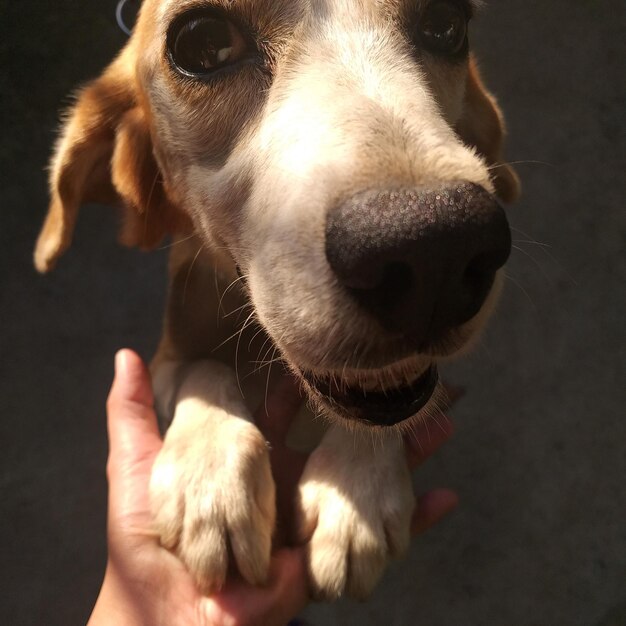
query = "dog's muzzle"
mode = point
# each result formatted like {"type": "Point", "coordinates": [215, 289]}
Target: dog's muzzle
{"type": "Point", "coordinates": [421, 261]}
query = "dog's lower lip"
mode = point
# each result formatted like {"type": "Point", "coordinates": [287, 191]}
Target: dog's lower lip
{"type": "Point", "coordinates": [379, 408]}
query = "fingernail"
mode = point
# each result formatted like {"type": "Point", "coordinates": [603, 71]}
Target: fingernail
{"type": "Point", "coordinates": [120, 362]}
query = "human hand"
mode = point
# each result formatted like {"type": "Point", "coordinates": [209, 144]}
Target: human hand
{"type": "Point", "coordinates": [146, 584]}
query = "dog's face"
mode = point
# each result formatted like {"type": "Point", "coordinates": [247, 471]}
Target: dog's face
{"type": "Point", "coordinates": [343, 152]}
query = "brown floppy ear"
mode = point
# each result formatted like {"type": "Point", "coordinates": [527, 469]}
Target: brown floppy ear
{"type": "Point", "coordinates": [150, 215]}
{"type": "Point", "coordinates": [105, 155]}
{"type": "Point", "coordinates": [482, 125]}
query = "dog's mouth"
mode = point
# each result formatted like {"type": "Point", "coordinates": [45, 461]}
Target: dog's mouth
{"type": "Point", "coordinates": [372, 403]}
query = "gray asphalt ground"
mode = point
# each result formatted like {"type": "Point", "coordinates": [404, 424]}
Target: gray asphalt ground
{"type": "Point", "coordinates": [538, 458]}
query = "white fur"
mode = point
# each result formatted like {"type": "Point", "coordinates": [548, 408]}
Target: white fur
{"type": "Point", "coordinates": [211, 485]}
{"type": "Point", "coordinates": [356, 503]}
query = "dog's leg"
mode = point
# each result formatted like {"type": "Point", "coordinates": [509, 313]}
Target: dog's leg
{"type": "Point", "coordinates": [356, 503]}
{"type": "Point", "coordinates": [212, 492]}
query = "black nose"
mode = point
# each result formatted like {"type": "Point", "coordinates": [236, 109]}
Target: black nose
{"type": "Point", "coordinates": [421, 260]}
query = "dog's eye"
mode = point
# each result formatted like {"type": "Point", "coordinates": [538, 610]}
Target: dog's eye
{"type": "Point", "coordinates": [443, 27]}
{"type": "Point", "coordinates": [200, 43]}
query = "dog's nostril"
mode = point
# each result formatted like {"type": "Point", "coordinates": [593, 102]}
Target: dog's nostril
{"type": "Point", "coordinates": [394, 283]}
{"type": "Point", "coordinates": [478, 275]}
{"type": "Point", "coordinates": [474, 287]}
{"type": "Point", "coordinates": [398, 280]}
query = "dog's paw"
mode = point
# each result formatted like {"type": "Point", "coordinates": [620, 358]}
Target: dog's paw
{"type": "Point", "coordinates": [212, 494]}
{"type": "Point", "coordinates": [355, 504]}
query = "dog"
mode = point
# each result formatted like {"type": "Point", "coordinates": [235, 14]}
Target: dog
{"type": "Point", "coordinates": [337, 164]}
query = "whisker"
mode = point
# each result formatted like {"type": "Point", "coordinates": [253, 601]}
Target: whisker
{"type": "Point", "coordinates": [532, 242]}
{"type": "Point", "coordinates": [193, 262]}
{"type": "Point", "coordinates": [264, 357]}
{"type": "Point", "coordinates": [248, 321]}
{"type": "Point", "coordinates": [237, 332]}
{"type": "Point", "coordinates": [175, 243]}
{"type": "Point", "coordinates": [262, 364]}
{"type": "Point", "coordinates": [258, 332]}
{"type": "Point", "coordinates": [521, 162]}
{"type": "Point", "coordinates": [528, 236]}
{"type": "Point", "coordinates": [427, 429]}
{"type": "Point", "coordinates": [546, 250]}
{"type": "Point", "coordinates": [239, 308]}
{"type": "Point", "coordinates": [148, 203]}
{"type": "Point", "coordinates": [415, 433]}
{"type": "Point", "coordinates": [267, 382]}
{"type": "Point", "coordinates": [534, 260]}
{"type": "Point", "coordinates": [434, 417]}
{"type": "Point", "coordinates": [519, 286]}
{"type": "Point", "coordinates": [234, 282]}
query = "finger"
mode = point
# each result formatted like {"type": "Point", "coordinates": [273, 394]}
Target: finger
{"type": "Point", "coordinates": [285, 594]}
{"type": "Point", "coordinates": [431, 508]}
{"type": "Point", "coordinates": [289, 591]}
{"type": "Point", "coordinates": [132, 422]}
{"type": "Point", "coordinates": [429, 435]}
{"type": "Point", "coordinates": [282, 403]}
{"type": "Point", "coordinates": [132, 379]}
{"type": "Point", "coordinates": [134, 438]}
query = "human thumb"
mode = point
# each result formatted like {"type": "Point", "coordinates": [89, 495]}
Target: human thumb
{"type": "Point", "coordinates": [134, 440]}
